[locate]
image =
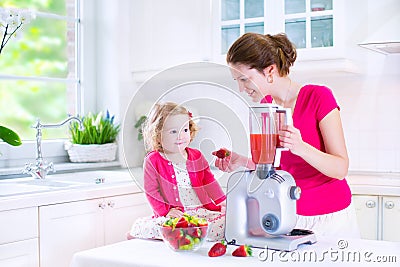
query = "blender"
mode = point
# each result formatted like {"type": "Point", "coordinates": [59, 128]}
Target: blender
{"type": "Point", "coordinates": [261, 204]}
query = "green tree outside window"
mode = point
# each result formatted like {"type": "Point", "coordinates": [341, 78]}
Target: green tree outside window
{"type": "Point", "coordinates": [46, 49]}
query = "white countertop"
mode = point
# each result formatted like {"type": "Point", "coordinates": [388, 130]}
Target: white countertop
{"type": "Point", "coordinates": [153, 253]}
{"type": "Point", "coordinates": [120, 181]}
{"type": "Point", "coordinates": [83, 186]}
{"type": "Point", "coordinates": [384, 184]}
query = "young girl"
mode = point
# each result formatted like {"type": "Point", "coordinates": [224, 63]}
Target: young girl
{"type": "Point", "coordinates": [177, 178]}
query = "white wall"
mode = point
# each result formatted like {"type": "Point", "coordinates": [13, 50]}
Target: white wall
{"type": "Point", "coordinates": [149, 35]}
{"type": "Point", "coordinates": [369, 100]}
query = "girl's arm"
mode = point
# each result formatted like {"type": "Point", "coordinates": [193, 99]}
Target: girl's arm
{"type": "Point", "coordinates": [334, 162]}
{"type": "Point", "coordinates": [212, 187]}
{"type": "Point", "coordinates": [152, 189]}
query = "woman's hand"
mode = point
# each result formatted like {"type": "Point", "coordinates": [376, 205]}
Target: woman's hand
{"type": "Point", "coordinates": [174, 213]}
{"type": "Point", "coordinates": [232, 162]}
{"type": "Point", "coordinates": [290, 137]}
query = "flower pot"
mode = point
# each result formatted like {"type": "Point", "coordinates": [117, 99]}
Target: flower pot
{"type": "Point", "coordinates": [91, 153]}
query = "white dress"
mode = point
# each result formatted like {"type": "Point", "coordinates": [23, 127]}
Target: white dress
{"type": "Point", "coordinates": [148, 227]}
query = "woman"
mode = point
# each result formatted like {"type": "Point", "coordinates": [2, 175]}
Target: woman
{"type": "Point", "coordinates": [317, 156]}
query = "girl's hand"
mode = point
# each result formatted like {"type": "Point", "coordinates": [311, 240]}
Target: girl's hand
{"type": "Point", "coordinates": [174, 213]}
{"type": "Point", "coordinates": [232, 162]}
{"type": "Point", "coordinates": [290, 137]}
{"type": "Point", "coordinates": [223, 206]}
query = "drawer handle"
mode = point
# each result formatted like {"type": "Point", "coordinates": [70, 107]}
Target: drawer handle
{"type": "Point", "coordinates": [370, 204]}
{"type": "Point", "coordinates": [102, 206]}
{"type": "Point", "coordinates": [389, 204]}
{"type": "Point", "coordinates": [111, 204]}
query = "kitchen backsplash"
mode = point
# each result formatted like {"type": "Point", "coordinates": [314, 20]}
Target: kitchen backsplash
{"type": "Point", "coordinates": [370, 114]}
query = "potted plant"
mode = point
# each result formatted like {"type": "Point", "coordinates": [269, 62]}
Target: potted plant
{"type": "Point", "coordinates": [96, 142]}
{"type": "Point", "coordinates": [139, 125]}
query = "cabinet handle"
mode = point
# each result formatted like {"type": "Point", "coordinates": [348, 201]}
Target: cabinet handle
{"type": "Point", "coordinates": [111, 204]}
{"type": "Point", "coordinates": [102, 206]}
{"type": "Point", "coordinates": [389, 204]}
{"type": "Point", "coordinates": [370, 204]}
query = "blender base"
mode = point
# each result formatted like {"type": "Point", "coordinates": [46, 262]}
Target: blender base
{"type": "Point", "coordinates": [287, 242]}
{"type": "Point", "coordinates": [250, 199]}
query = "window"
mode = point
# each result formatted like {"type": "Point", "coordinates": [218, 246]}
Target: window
{"type": "Point", "coordinates": [39, 75]}
{"type": "Point", "coordinates": [239, 17]}
{"type": "Point", "coordinates": [40, 70]}
{"type": "Point", "coordinates": [307, 23]}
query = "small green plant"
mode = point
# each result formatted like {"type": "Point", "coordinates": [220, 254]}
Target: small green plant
{"type": "Point", "coordinates": [138, 126]}
{"type": "Point", "coordinates": [98, 129]}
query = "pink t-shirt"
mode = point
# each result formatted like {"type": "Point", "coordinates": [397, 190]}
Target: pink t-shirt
{"type": "Point", "coordinates": [320, 194]}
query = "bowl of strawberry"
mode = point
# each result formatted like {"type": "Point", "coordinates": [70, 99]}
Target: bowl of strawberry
{"type": "Point", "coordinates": [186, 233]}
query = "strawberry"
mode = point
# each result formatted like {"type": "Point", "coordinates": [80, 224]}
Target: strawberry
{"type": "Point", "coordinates": [242, 251]}
{"type": "Point", "coordinates": [176, 233]}
{"type": "Point", "coordinates": [195, 232]}
{"type": "Point", "coordinates": [182, 223]}
{"type": "Point", "coordinates": [185, 240]}
{"type": "Point", "coordinates": [218, 249]}
{"type": "Point", "coordinates": [202, 222]}
{"type": "Point", "coordinates": [222, 153]}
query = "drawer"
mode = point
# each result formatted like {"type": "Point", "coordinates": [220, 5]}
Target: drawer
{"type": "Point", "coordinates": [18, 224]}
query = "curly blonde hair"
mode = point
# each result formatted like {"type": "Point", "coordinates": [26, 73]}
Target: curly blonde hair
{"type": "Point", "coordinates": [154, 124]}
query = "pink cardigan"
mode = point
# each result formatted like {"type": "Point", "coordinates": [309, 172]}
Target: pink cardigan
{"type": "Point", "coordinates": [161, 187]}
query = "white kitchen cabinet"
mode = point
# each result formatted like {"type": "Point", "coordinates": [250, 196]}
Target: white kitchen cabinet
{"type": "Point", "coordinates": [67, 228]}
{"type": "Point", "coordinates": [318, 28]}
{"type": "Point", "coordinates": [367, 215]}
{"type": "Point", "coordinates": [378, 216]}
{"type": "Point", "coordinates": [167, 33]}
{"type": "Point", "coordinates": [390, 218]}
{"type": "Point", "coordinates": [19, 238]}
{"type": "Point", "coordinates": [120, 213]}
{"type": "Point", "coordinates": [20, 254]}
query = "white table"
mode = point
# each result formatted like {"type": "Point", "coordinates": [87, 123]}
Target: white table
{"type": "Point", "coordinates": [143, 253]}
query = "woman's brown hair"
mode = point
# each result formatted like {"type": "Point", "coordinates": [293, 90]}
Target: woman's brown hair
{"type": "Point", "coordinates": [260, 51]}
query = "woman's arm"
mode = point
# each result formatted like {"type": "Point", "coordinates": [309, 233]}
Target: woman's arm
{"type": "Point", "coordinates": [335, 162]}
{"type": "Point", "coordinates": [233, 162]}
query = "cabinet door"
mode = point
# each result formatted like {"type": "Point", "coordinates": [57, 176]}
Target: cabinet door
{"type": "Point", "coordinates": [367, 215]}
{"type": "Point", "coordinates": [20, 254]}
{"type": "Point", "coordinates": [390, 218]}
{"type": "Point", "coordinates": [120, 213]}
{"type": "Point", "coordinates": [18, 224]}
{"type": "Point", "coordinates": [68, 228]}
{"type": "Point", "coordinates": [182, 27]}
{"type": "Point", "coordinates": [316, 27]}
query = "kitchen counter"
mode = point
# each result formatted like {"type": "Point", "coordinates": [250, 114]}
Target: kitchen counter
{"type": "Point", "coordinates": [137, 252]}
{"type": "Point", "coordinates": [120, 181]}
{"type": "Point", "coordinates": [383, 184]}
{"type": "Point", "coordinates": [59, 188]}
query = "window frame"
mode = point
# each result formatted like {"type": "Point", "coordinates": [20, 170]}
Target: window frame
{"type": "Point", "coordinates": [274, 22]}
{"type": "Point", "coordinates": [12, 159]}
{"type": "Point", "coordinates": [242, 21]}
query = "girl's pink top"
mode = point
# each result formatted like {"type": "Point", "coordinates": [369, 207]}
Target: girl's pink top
{"type": "Point", "coordinates": [161, 187]}
{"type": "Point", "coordinates": [320, 194]}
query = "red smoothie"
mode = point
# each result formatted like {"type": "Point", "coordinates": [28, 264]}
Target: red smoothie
{"type": "Point", "coordinates": [263, 148]}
